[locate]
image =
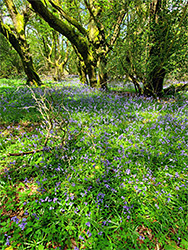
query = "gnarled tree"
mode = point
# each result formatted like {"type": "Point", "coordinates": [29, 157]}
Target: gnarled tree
{"type": "Point", "coordinates": [16, 36]}
{"type": "Point", "coordinates": [91, 40]}
{"type": "Point", "coordinates": [154, 44]}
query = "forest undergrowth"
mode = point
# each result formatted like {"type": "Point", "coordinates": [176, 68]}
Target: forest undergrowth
{"type": "Point", "coordinates": [85, 169]}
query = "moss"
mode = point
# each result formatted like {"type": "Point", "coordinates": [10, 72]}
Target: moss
{"type": "Point", "coordinates": [20, 24]}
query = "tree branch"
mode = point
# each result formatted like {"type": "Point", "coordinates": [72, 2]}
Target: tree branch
{"type": "Point", "coordinates": [17, 18]}
{"type": "Point", "coordinates": [117, 26]}
{"type": "Point", "coordinates": [60, 26]}
{"type": "Point", "coordinates": [70, 19]}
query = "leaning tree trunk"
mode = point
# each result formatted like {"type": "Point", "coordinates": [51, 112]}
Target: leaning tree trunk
{"type": "Point", "coordinates": [22, 49]}
{"type": "Point", "coordinates": [18, 39]}
{"type": "Point", "coordinates": [27, 61]}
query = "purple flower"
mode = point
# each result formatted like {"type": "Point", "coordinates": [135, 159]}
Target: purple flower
{"type": "Point", "coordinates": [141, 237]}
{"type": "Point", "coordinates": [15, 219]}
{"type": "Point", "coordinates": [120, 137]}
{"type": "Point", "coordinates": [113, 190]}
{"type": "Point", "coordinates": [72, 197]}
{"type": "Point", "coordinates": [88, 233]}
{"type": "Point", "coordinates": [7, 240]}
{"type": "Point", "coordinates": [157, 206]}
{"type": "Point", "coordinates": [22, 225]}
{"type": "Point", "coordinates": [128, 171]}
{"type": "Point", "coordinates": [81, 238]}
{"type": "Point", "coordinates": [35, 216]}
{"type": "Point", "coordinates": [55, 199]}
{"type": "Point", "coordinates": [88, 224]}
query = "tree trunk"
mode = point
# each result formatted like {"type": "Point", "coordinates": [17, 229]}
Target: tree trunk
{"type": "Point", "coordinates": [155, 70]}
{"type": "Point", "coordinates": [154, 83]}
{"type": "Point", "coordinates": [92, 75]}
{"type": "Point", "coordinates": [82, 72]}
{"type": "Point", "coordinates": [102, 74]}
{"type": "Point", "coordinates": [22, 48]}
{"type": "Point", "coordinates": [90, 43]}
{"type": "Point", "coordinates": [27, 61]}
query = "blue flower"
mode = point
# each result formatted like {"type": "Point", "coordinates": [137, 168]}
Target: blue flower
{"type": "Point", "coordinates": [88, 233]}
{"type": "Point", "coordinates": [15, 219]}
{"type": "Point", "coordinates": [81, 238]}
{"type": "Point", "coordinates": [22, 225]}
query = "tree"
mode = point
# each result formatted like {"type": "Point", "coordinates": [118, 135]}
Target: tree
{"type": "Point", "coordinates": [16, 36]}
{"type": "Point", "coordinates": [152, 44]}
{"type": "Point", "coordinates": [91, 41]}
{"type": "Point", "coordinates": [51, 50]}
{"type": "Point", "coordinates": [10, 63]}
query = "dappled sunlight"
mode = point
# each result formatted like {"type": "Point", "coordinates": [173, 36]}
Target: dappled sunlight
{"type": "Point", "coordinates": [121, 171]}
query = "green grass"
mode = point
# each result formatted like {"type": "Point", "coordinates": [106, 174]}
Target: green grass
{"type": "Point", "coordinates": [119, 182]}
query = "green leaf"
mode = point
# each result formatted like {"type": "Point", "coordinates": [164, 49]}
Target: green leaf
{"type": "Point", "coordinates": [170, 247]}
{"type": "Point", "coordinates": [28, 230]}
{"type": "Point", "coordinates": [40, 247]}
{"type": "Point", "coordinates": [184, 244]}
{"type": "Point", "coordinates": [3, 223]}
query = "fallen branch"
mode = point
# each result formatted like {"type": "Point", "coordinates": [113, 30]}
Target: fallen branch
{"type": "Point", "coordinates": [56, 124]}
{"type": "Point", "coordinates": [25, 153]}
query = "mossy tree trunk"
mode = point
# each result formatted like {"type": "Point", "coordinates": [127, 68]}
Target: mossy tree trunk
{"type": "Point", "coordinates": [18, 41]}
{"type": "Point", "coordinates": [56, 55]}
{"type": "Point", "coordinates": [23, 50]}
{"type": "Point", "coordinates": [164, 43]}
{"type": "Point", "coordinates": [82, 71]}
{"type": "Point", "coordinates": [27, 61]}
{"type": "Point", "coordinates": [156, 65]}
{"type": "Point", "coordinates": [102, 74]}
{"type": "Point", "coordinates": [90, 44]}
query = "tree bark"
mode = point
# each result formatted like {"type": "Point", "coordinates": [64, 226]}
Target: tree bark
{"type": "Point", "coordinates": [90, 45]}
{"type": "Point", "coordinates": [156, 70]}
{"type": "Point", "coordinates": [154, 83]}
{"type": "Point", "coordinates": [82, 72]}
{"type": "Point", "coordinates": [102, 74]}
{"type": "Point", "coordinates": [22, 49]}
